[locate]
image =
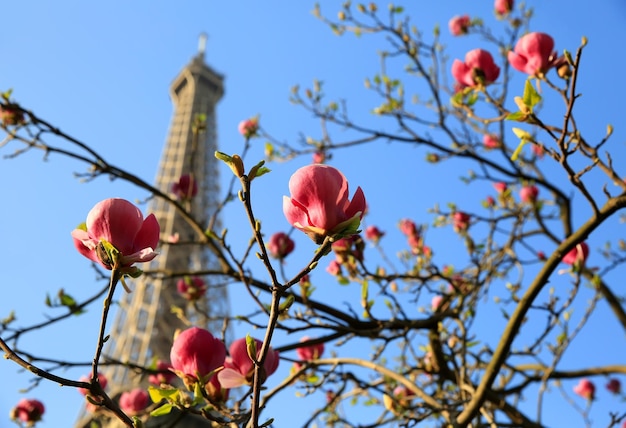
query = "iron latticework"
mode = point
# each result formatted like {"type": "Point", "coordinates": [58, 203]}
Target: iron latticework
{"type": "Point", "coordinates": [148, 317]}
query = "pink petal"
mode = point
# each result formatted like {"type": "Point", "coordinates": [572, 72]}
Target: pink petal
{"type": "Point", "coordinates": [148, 235]}
{"type": "Point", "coordinates": [230, 378]}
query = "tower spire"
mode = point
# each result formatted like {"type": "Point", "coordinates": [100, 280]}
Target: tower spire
{"type": "Point", "coordinates": [202, 40]}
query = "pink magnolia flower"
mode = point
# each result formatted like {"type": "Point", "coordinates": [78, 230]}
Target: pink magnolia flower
{"type": "Point", "coordinates": [186, 187]}
{"type": "Point", "coordinates": [586, 389]}
{"type": "Point", "coordinates": [373, 233]}
{"type": "Point", "coordinates": [577, 255]}
{"type": "Point", "coordinates": [319, 204]}
{"type": "Point", "coordinates": [28, 410]}
{"type": "Point", "coordinates": [503, 7]}
{"type": "Point", "coordinates": [280, 245]}
{"type": "Point", "coordinates": [537, 150]}
{"type": "Point", "coordinates": [528, 194]}
{"type": "Point", "coordinates": [459, 25]}
{"type": "Point", "coordinates": [121, 224]}
{"type": "Point", "coordinates": [191, 288]}
{"type": "Point", "coordinates": [249, 127]}
{"type": "Point", "coordinates": [102, 380]}
{"type": "Point", "coordinates": [164, 375]}
{"type": "Point", "coordinates": [319, 157]}
{"type": "Point", "coordinates": [436, 302]}
{"type": "Point", "coordinates": [491, 141]}
{"type": "Point", "coordinates": [534, 54]}
{"type": "Point", "coordinates": [614, 386]}
{"type": "Point", "coordinates": [195, 354]}
{"type": "Point", "coordinates": [239, 368]}
{"type": "Point", "coordinates": [500, 187]}
{"type": "Point", "coordinates": [334, 268]}
{"type": "Point", "coordinates": [134, 402]}
{"type": "Point", "coordinates": [490, 202]}
{"type": "Point", "coordinates": [309, 352]}
{"type": "Point", "coordinates": [408, 227]}
{"type": "Point", "coordinates": [11, 115]}
{"type": "Point", "coordinates": [478, 69]}
{"type": "Point", "coordinates": [460, 221]}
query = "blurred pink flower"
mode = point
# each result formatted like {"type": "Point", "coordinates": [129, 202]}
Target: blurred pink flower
{"type": "Point", "coordinates": [586, 389]}
{"type": "Point", "coordinates": [614, 386]}
{"type": "Point", "coordinates": [195, 354]}
{"type": "Point", "coordinates": [10, 114]}
{"type": "Point", "coordinates": [577, 255]}
{"type": "Point", "coordinates": [528, 194]}
{"type": "Point", "coordinates": [534, 54]}
{"type": "Point", "coordinates": [373, 234]}
{"type": "Point", "coordinates": [500, 187]}
{"type": "Point", "coordinates": [102, 380]}
{"type": "Point", "coordinates": [122, 225]}
{"type": "Point", "coordinates": [280, 245]}
{"type": "Point", "coordinates": [334, 268]}
{"type": "Point", "coordinates": [478, 69]}
{"type": "Point", "coordinates": [408, 227]}
{"type": "Point", "coordinates": [309, 352]}
{"type": "Point", "coordinates": [191, 288]}
{"type": "Point", "coordinates": [164, 375]}
{"type": "Point", "coordinates": [239, 368]}
{"type": "Point", "coordinates": [134, 402]}
{"type": "Point", "coordinates": [503, 7]}
{"type": "Point", "coordinates": [319, 204]}
{"type": "Point", "coordinates": [185, 188]}
{"type": "Point", "coordinates": [319, 157]}
{"type": "Point", "coordinates": [249, 127]}
{"type": "Point", "coordinates": [28, 410]}
{"type": "Point", "coordinates": [491, 141]}
{"type": "Point", "coordinates": [460, 221]}
{"type": "Point", "coordinates": [459, 25]}
{"type": "Point", "coordinates": [436, 302]}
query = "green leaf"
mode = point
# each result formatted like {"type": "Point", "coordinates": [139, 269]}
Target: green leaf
{"type": "Point", "coordinates": [162, 411]}
{"type": "Point", "coordinates": [364, 291]}
{"type": "Point", "coordinates": [158, 394]}
{"type": "Point", "coordinates": [518, 150]}
{"type": "Point", "coordinates": [251, 347]}
{"type": "Point", "coordinates": [518, 116]}
{"type": "Point", "coordinates": [531, 96]}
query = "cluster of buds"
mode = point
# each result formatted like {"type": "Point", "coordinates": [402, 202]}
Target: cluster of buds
{"type": "Point", "coordinates": [414, 238]}
{"type": "Point", "coordinates": [348, 253]}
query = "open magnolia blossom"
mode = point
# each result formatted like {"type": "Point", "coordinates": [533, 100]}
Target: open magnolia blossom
{"type": "Point", "coordinates": [116, 235]}
{"type": "Point", "coordinates": [319, 204]}
{"type": "Point", "coordinates": [577, 255]}
{"type": "Point", "coordinates": [239, 368]}
{"type": "Point", "coordinates": [478, 69]}
{"type": "Point", "coordinates": [534, 54]}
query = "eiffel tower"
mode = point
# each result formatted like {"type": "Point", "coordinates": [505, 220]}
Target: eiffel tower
{"type": "Point", "coordinates": [145, 323]}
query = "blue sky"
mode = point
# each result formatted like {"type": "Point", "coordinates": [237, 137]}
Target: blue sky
{"type": "Point", "coordinates": [101, 72]}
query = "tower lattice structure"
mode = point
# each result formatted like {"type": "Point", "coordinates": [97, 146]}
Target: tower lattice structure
{"type": "Point", "coordinates": [148, 318]}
